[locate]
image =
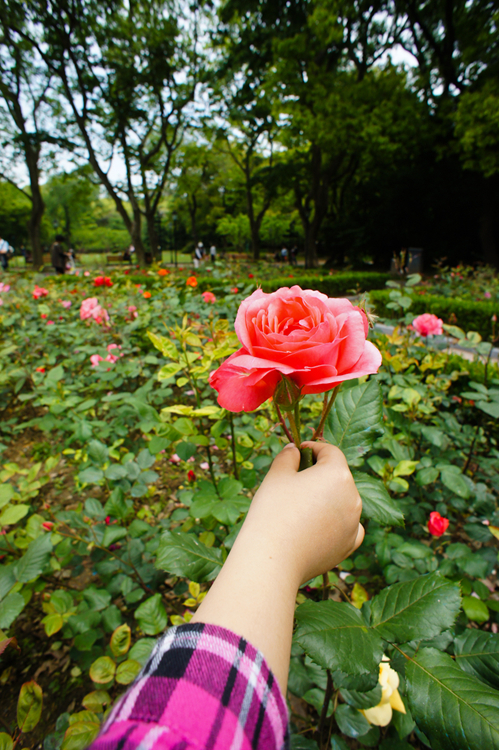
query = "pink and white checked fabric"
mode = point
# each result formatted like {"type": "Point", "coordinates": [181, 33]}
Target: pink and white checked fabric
{"type": "Point", "coordinates": [203, 687]}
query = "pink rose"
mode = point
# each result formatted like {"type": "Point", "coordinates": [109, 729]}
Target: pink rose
{"type": "Point", "coordinates": [487, 295]}
{"type": "Point", "coordinates": [428, 325]}
{"type": "Point", "coordinates": [95, 359]}
{"type": "Point", "coordinates": [209, 297]}
{"type": "Point", "coordinates": [316, 341]}
{"type": "Point", "coordinates": [4, 287]}
{"type": "Point", "coordinates": [65, 303]}
{"type": "Point", "coordinates": [90, 308]}
{"type": "Point", "coordinates": [39, 291]}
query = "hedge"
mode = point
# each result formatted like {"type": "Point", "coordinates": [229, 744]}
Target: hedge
{"type": "Point", "coordinates": [467, 314]}
{"type": "Point", "coordinates": [339, 284]}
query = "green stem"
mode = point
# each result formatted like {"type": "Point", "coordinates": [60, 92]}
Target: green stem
{"type": "Point", "coordinates": [212, 471]}
{"type": "Point", "coordinates": [283, 423]}
{"type": "Point", "coordinates": [233, 444]}
{"type": "Point", "coordinates": [325, 411]}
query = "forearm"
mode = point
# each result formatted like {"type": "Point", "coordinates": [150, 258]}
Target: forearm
{"type": "Point", "coordinates": [254, 596]}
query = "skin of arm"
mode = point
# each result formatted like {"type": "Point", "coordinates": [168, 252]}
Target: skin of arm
{"type": "Point", "coordinates": [299, 525]}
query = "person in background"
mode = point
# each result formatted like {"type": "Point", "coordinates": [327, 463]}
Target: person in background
{"type": "Point", "coordinates": [293, 255]}
{"type": "Point", "coordinates": [58, 255]}
{"type": "Point", "coordinates": [71, 261]}
{"type": "Point", "coordinates": [284, 254]}
{"type": "Point", "coordinates": [219, 681]}
{"type": "Point", "coordinates": [198, 254]}
{"type": "Point", "coordinates": [213, 253]}
{"type": "Point", "coordinates": [4, 254]}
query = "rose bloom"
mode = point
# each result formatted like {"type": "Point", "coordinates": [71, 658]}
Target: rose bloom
{"type": "Point", "coordinates": [39, 291]}
{"type": "Point", "coordinates": [90, 308]}
{"type": "Point", "coordinates": [381, 715]}
{"type": "Point", "coordinates": [40, 369]}
{"type": "Point", "coordinates": [48, 525]}
{"type": "Point", "coordinates": [4, 287]}
{"type": "Point", "coordinates": [428, 325]}
{"type": "Point", "coordinates": [65, 303]}
{"type": "Point", "coordinates": [192, 281]}
{"type": "Point", "coordinates": [209, 297]}
{"type": "Point", "coordinates": [163, 272]}
{"type": "Point", "coordinates": [102, 281]}
{"type": "Point", "coordinates": [146, 295]}
{"type": "Point", "coordinates": [314, 340]}
{"type": "Point", "coordinates": [437, 525]}
{"type": "Point", "coordinates": [234, 290]}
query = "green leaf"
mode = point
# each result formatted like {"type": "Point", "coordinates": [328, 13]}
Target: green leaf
{"type": "Point", "coordinates": [165, 346]}
{"type": "Point", "coordinates": [354, 420]}
{"type": "Point", "coordinates": [141, 650]}
{"type": "Point", "coordinates": [229, 488]}
{"type": "Point", "coordinates": [35, 559]}
{"type": "Point", "coordinates": [169, 371]}
{"type": "Point", "coordinates": [362, 700]}
{"type": "Point", "coordinates": [453, 479]}
{"type": "Point", "coordinates": [97, 599]}
{"type": "Point", "coordinates": [120, 640]}
{"type": "Point", "coordinates": [112, 534]}
{"type": "Point", "coordinates": [335, 636]}
{"type": "Point", "coordinates": [186, 450]}
{"type": "Point", "coordinates": [127, 671]}
{"type": "Point", "coordinates": [97, 452]}
{"type": "Point", "coordinates": [80, 735]}
{"type": "Point", "coordinates": [96, 700]}
{"type": "Point", "coordinates": [6, 494]}
{"type": "Point", "coordinates": [62, 601]}
{"type": "Point", "coordinates": [92, 475]}
{"type": "Point", "coordinates": [6, 742]}
{"type": "Point", "coordinates": [7, 579]}
{"type": "Point", "coordinates": [475, 609]}
{"type": "Point", "coordinates": [151, 615]}
{"type": "Point", "coordinates": [29, 706]}
{"type": "Point", "coordinates": [477, 653]}
{"type": "Point", "coordinates": [452, 708]}
{"type": "Point", "coordinates": [102, 670]}
{"type": "Point", "coordinates": [115, 472]}
{"type": "Point", "coordinates": [376, 502]}
{"type": "Point", "coordinates": [13, 513]}
{"type": "Point", "coordinates": [350, 721]}
{"type": "Point", "coordinates": [415, 609]}
{"type": "Point", "coordinates": [52, 624]}
{"type": "Point", "coordinates": [11, 607]}
{"type": "Point", "coordinates": [184, 555]}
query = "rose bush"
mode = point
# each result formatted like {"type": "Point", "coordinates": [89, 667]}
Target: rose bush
{"type": "Point", "coordinates": [316, 341]}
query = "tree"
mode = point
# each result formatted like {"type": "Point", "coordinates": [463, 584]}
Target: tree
{"type": "Point", "coordinates": [127, 72]}
{"type": "Point", "coordinates": [24, 113]}
{"type": "Point", "coordinates": [455, 44]}
{"type": "Point", "coordinates": [68, 198]}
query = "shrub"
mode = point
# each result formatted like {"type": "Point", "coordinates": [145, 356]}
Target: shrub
{"type": "Point", "coordinates": [468, 315]}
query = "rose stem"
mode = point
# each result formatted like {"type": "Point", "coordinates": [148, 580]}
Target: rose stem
{"type": "Point", "coordinates": [325, 411]}
{"type": "Point", "coordinates": [306, 460]}
{"type": "Point", "coordinates": [283, 423]}
{"type": "Point", "coordinates": [233, 444]}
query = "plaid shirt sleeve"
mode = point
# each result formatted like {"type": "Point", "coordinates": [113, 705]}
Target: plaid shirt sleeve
{"type": "Point", "coordinates": [203, 688]}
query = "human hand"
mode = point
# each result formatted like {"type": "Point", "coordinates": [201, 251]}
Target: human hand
{"type": "Point", "coordinates": [308, 519]}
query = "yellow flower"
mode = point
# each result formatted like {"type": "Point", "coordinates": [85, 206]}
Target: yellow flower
{"type": "Point", "coordinates": [381, 715]}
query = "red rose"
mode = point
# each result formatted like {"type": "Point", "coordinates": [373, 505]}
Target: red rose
{"type": "Point", "coordinates": [437, 525]}
{"type": "Point", "coordinates": [48, 525]}
{"type": "Point", "coordinates": [191, 476]}
{"type": "Point", "coordinates": [316, 341]}
{"type": "Point", "coordinates": [250, 276]}
{"type": "Point", "coordinates": [40, 369]}
{"type": "Point", "coordinates": [107, 520]}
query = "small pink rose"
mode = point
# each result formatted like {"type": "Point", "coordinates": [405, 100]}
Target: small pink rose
{"type": "Point", "coordinates": [205, 466]}
{"type": "Point", "coordinates": [95, 359]}
{"type": "Point", "coordinates": [428, 325]}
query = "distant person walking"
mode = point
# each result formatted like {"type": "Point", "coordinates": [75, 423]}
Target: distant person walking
{"type": "Point", "coordinates": [284, 254]}
{"type": "Point", "coordinates": [198, 254]}
{"type": "Point", "coordinates": [213, 253]}
{"type": "Point", "coordinates": [292, 255]}
{"type": "Point", "coordinates": [58, 256]}
{"type": "Point", "coordinates": [4, 254]}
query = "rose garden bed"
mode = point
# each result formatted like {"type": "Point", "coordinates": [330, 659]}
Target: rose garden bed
{"type": "Point", "coordinates": [124, 484]}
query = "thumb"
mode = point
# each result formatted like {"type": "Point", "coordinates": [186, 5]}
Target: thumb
{"type": "Point", "coordinates": [288, 460]}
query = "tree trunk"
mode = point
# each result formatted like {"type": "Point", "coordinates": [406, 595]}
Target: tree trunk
{"type": "Point", "coordinates": [488, 223]}
{"type": "Point", "coordinates": [136, 235]}
{"type": "Point", "coordinates": [152, 234]}
{"type": "Point", "coordinates": [35, 222]}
